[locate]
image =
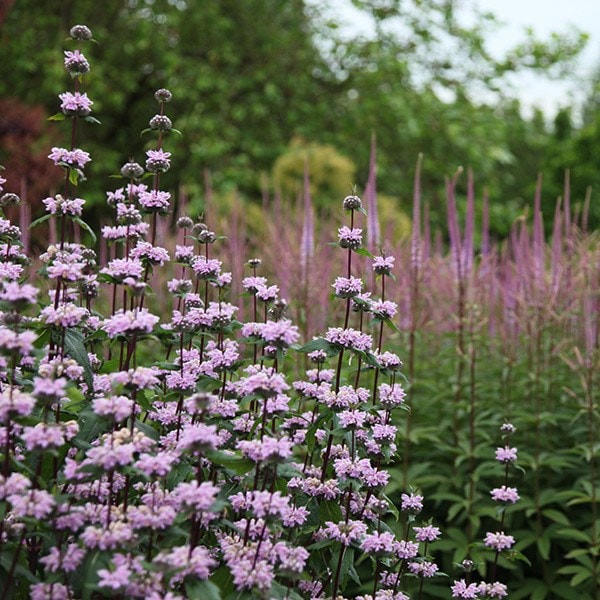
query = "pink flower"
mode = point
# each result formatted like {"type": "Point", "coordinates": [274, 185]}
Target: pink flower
{"type": "Point", "coordinates": [423, 569]}
{"type": "Point", "coordinates": [158, 161]}
{"type": "Point", "coordinates": [350, 238]}
{"type": "Point", "coordinates": [116, 579]}
{"type": "Point", "coordinates": [506, 454]}
{"type": "Point", "coordinates": [412, 503]}
{"type": "Point", "coordinates": [76, 158]}
{"type": "Point", "coordinates": [378, 543]}
{"type": "Point", "coordinates": [75, 104]}
{"type": "Point", "coordinates": [383, 265]}
{"type": "Point", "coordinates": [198, 497]}
{"type": "Point", "coordinates": [268, 449]}
{"type": "Point", "coordinates": [345, 533]}
{"type": "Point", "coordinates": [76, 63]}
{"type": "Point", "coordinates": [505, 494]}
{"type": "Point", "coordinates": [460, 589]}
{"type": "Point", "coordinates": [50, 591]}
{"type": "Point", "coordinates": [427, 533]}
{"type": "Point", "coordinates": [42, 436]}
{"type": "Point", "coordinates": [130, 322]}
{"type": "Point", "coordinates": [347, 287]}
{"type": "Point", "coordinates": [14, 292]}
{"type": "Point", "coordinates": [155, 200]}
{"type": "Point", "coordinates": [147, 253]}
{"type": "Point", "coordinates": [35, 503]}
{"type": "Point", "coordinates": [405, 550]}
{"type": "Point", "coordinates": [14, 402]}
{"type": "Point", "coordinates": [68, 558]}
{"type": "Point", "coordinates": [493, 590]}
{"type": "Point", "coordinates": [391, 395]}
{"type": "Point", "coordinates": [116, 407]}
{"type": "Point", "coordinates": [349, 338]}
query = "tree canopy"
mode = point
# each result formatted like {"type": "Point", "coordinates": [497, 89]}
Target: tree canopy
{"type": "Point", "coordinates": [251, 78]}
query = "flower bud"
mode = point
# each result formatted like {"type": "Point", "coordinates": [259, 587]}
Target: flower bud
{"type": "Point", "coordinates": [132, 170]}
{"type": "Point", "coordinates": [161, 123]}
{"type": "Point", "coordinates": [352, 203]}
{"type": "Point", "coordinates": [185, 223]}
{"type": "Point", "coordinates": [163, 95]}
{"type": "Point", "coordinates": [9, 199]}
{"type": "Point", "coordinates": [254, 263]}
{"type": "Point", "coordinates": [206, 237]}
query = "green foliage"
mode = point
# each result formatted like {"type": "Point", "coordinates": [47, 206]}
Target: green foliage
{"type": "Point", "coordinates": [250, 77]}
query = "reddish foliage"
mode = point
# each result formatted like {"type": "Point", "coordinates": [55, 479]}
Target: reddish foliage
{"type": "Point", "coordinates": [24, 147]}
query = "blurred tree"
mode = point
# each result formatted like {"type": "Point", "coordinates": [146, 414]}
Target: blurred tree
{"type": "Point", "coordinates": [331, 174]}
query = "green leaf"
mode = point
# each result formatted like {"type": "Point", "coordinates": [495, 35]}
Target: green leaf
{"type": "Point", "coordinates": [39, 221]}
{"type": "Point", "coordinates": [330, 511]}
{"type": "Point", "coordinates": [516, 555]}
{"type": "Point", "coordinates": [75, 347]}
{"type": "Point", "coordinates": [363, 252]}
{"type": "Point", "coordinates": [281, 592]}
{"type": "Point", "coordinates": [543, 545]}
{"type": "Point", "coordinates": [556, 516]}
{"type": "Point", "coordinates": [91, 119]}
{"type": "Point", "coordinates": [85, 226]}
{"type": "Point", "coordinates": [319, 344]}
{"type": "Point", "coordinates": [233, 462]}
{"type": "Point", "coordinates": [57, 117]}
{"type": "Point", "coordinates": [201, 590]}
{"type": "Point", "coordinates": [580, 577]}
{"type": "Point", "coordinates": [574, 534]}
{"type": "Point", "coordinates": [74, 175]}
{"type": "Point", "coordinates": [320, 545]}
